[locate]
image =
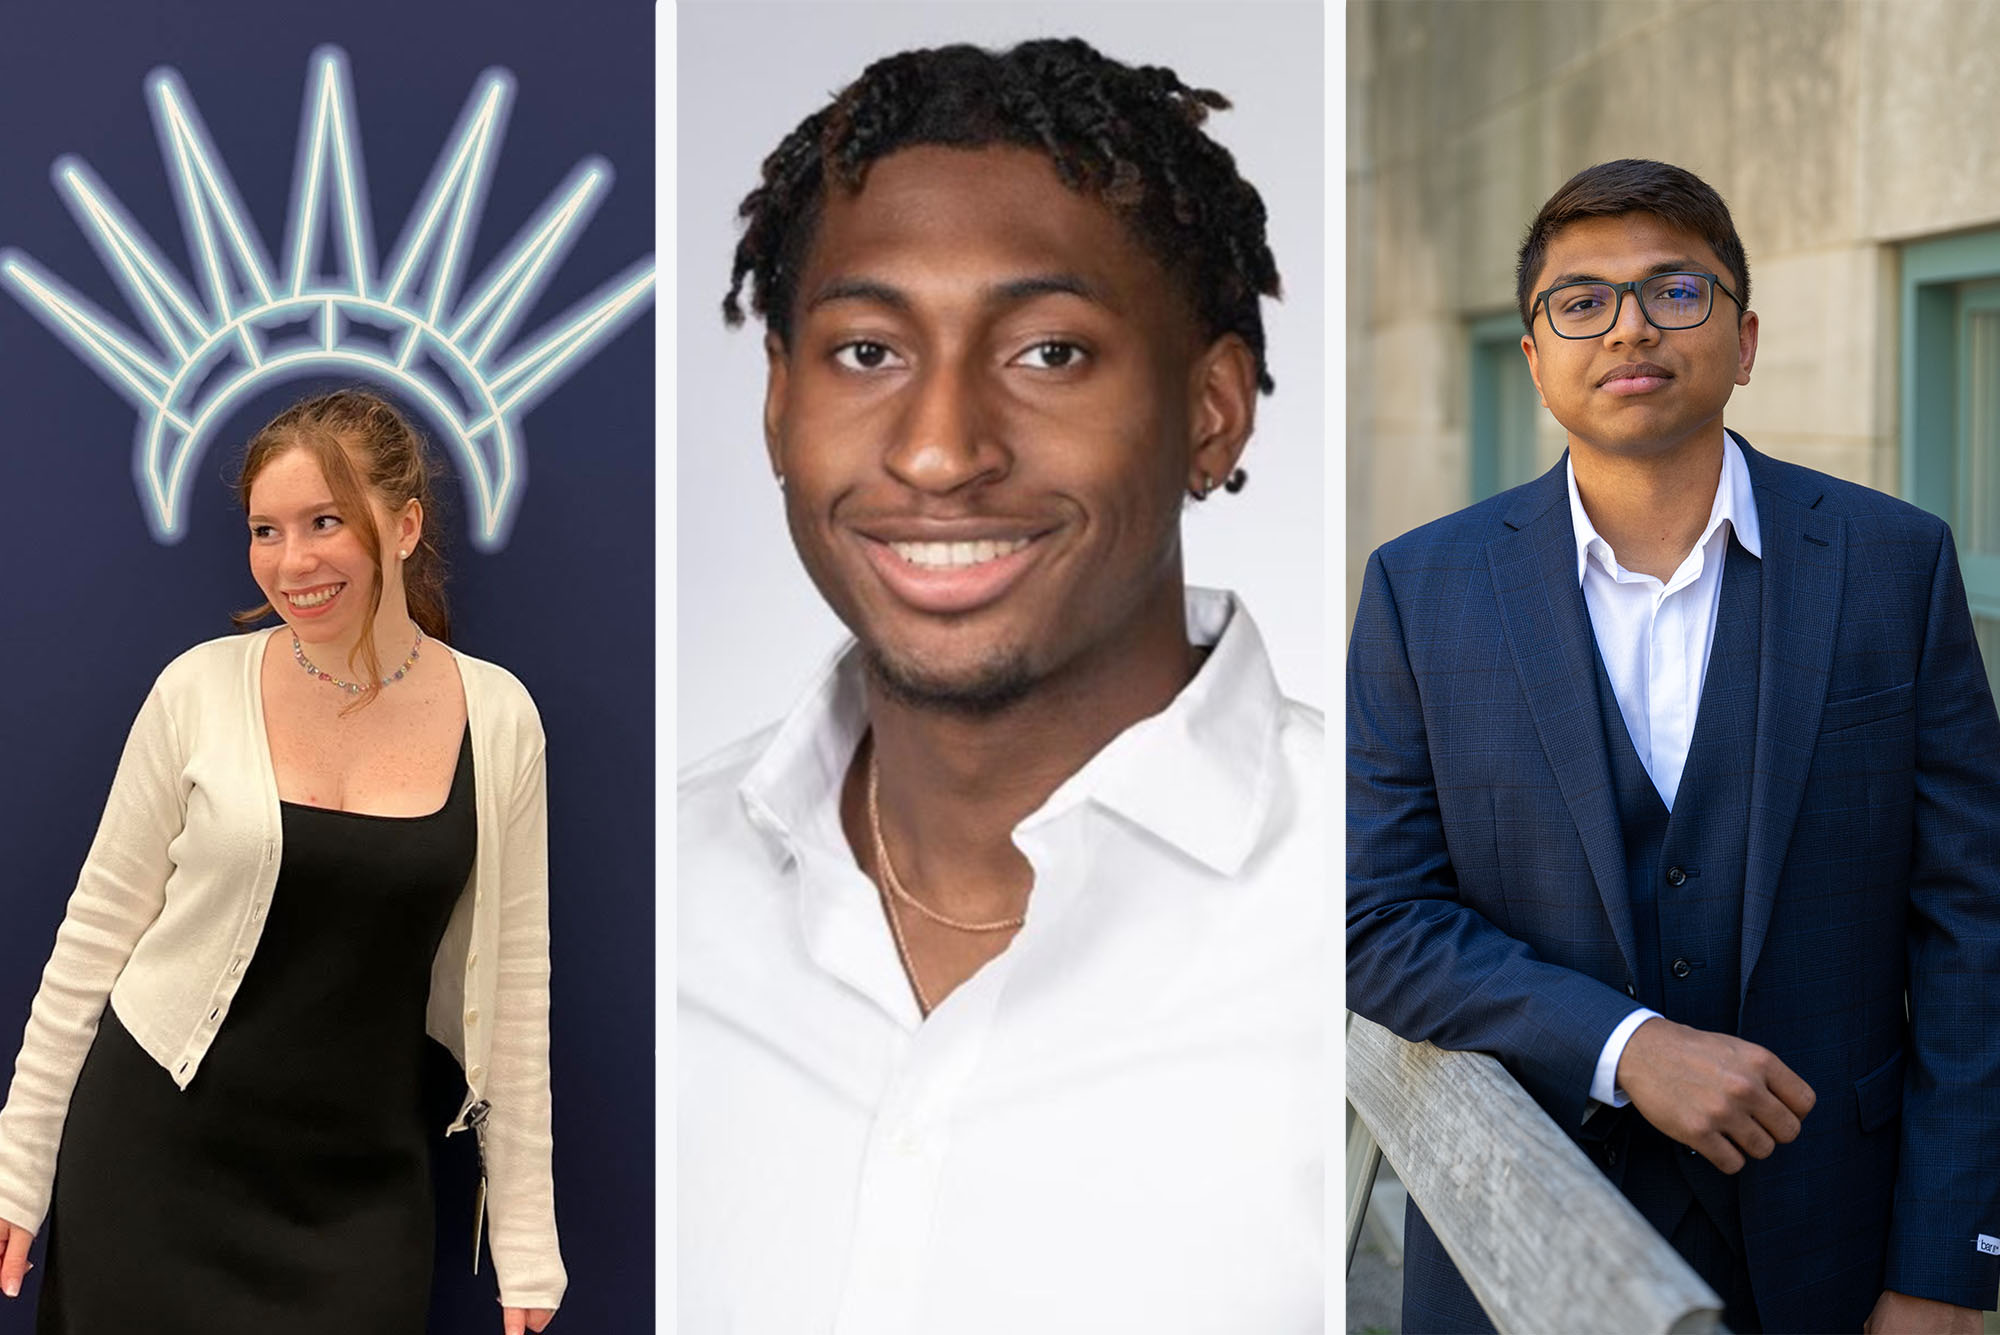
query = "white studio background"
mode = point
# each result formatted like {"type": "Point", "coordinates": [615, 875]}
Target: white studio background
{"type": "Point", "coordinates": [751, 629]}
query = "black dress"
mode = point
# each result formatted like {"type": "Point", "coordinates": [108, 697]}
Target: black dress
{"type": "Point", "coordinates": [288, 1188]}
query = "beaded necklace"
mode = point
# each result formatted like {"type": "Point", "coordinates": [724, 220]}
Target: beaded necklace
{"type": "Point", "coordinates": [351, 687]}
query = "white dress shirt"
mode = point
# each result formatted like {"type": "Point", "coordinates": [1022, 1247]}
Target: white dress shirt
{"type": "Point", "coordinates": [1655, 640]}
{"type": "Point", "coordinates": [1118, 1124]}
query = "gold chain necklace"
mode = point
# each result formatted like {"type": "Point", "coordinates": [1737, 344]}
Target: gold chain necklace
{"type": "Point", "coordinates": [894, 883]}
{"type": "Point", "coordinates": [902, 949]}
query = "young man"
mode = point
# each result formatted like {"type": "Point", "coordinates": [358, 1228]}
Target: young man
{"type": "Point", "coordinates": [1001, 957]}
{"type": "Point", "coordinates": [1674, 781]}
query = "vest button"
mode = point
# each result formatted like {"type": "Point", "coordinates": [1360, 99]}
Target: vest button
{"type": "Point", "coordinates": [1682, 968]}
{"type": "Point", "coordinates": [1675, 876]}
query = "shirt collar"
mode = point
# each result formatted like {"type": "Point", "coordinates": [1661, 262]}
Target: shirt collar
{"type": "Point", "coordinates": [1198, 775]}
{"type": "Point", "coordinates": [1735, 503]}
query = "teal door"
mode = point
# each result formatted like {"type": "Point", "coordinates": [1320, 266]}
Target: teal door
{"type": "Point", "coordinates": [1975, 516]}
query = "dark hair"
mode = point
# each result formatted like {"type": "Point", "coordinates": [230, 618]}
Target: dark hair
{"type": "Point", "coordinates": [1633, 185]}
{"type": "Point", "coordinates": [360, 441]}
{"type": "Point", "coordinates": [1130, 136]}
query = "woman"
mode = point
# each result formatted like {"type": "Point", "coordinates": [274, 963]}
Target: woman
{"type": "Point", "coordinates": [322, 840]}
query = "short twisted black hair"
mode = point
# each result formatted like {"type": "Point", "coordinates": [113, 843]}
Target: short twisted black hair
{"type": "Point", "coordinates": [1130, 136]}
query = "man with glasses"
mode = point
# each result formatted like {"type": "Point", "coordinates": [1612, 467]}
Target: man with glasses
{"type": "Point", "coordinates": [1674, 782]}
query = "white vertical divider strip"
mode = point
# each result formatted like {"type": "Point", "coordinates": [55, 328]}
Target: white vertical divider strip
{"type": "Point", "coordinates": [1334, 373]}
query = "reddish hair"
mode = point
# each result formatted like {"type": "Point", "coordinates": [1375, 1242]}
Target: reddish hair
{"type": "Point", "coordinates": [362, 445]}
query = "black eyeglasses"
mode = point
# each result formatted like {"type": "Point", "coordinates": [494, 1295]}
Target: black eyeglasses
{"type": "Point", "coordinates": [1589, 309]}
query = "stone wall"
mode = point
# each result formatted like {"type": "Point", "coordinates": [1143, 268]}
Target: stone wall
{"type": "Point", "coordinates": [1835, 129]}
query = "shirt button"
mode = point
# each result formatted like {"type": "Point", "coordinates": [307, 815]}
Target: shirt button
{"type": "Point", "coordinates": [907, 1143]}
{"type": "Point", "coordinates": [476, 1074]}
{"type": "Point", "coordinates": [1631, 989]}
{"type": "Point", "coordinates": [1675, 876]}
{"type": "Point", "coordinates": [1682, 968]}
{"type": "Point", "coordinates": [471, 959]}
{"type": "Point", "coordinates": [472, 1017]}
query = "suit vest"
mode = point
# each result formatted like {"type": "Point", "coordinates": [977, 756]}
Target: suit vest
{"type": "Point", "coordinates": [1684, 876]}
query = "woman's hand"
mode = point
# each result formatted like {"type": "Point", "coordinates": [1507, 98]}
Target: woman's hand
{"type": "Point", "coordinates": [14, 1265]}
{"type": "Point", "coordinates": [521, 1320]}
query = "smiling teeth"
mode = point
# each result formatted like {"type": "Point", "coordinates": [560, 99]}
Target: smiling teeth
{"type": "Point", "coordinates": [945, 555]}
{"type": "Point", "coordinates": [319, 599]}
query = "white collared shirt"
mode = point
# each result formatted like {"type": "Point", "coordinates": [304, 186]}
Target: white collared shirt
{"type": "Point", "coordinates": [1117, 1124]}
{"type": "Point", "coordinates": [1655, 639]}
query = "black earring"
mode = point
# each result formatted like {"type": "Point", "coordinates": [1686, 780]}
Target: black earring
{"type": "Point", "coordinates": [1236, 481]}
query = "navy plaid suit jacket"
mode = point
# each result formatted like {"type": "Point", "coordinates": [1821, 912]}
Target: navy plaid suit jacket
{"type": "Point", "coordinates": [1487, 903]}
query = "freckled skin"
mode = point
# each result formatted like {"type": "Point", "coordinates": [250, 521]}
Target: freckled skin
{"type": "Point", "coordinates": [299, 542]}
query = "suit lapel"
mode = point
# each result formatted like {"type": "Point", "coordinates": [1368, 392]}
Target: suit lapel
{"type": "Point", "coordinates": [1803, 559]}
{"type": "Point", "coordinates": [1548, 632]}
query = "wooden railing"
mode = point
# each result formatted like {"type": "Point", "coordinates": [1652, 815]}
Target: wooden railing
{"type": "Point", "coordinates": [1546, 1243]}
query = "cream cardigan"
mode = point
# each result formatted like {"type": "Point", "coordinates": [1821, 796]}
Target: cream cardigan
{"type": "Point", "coordinates": [171, 902]}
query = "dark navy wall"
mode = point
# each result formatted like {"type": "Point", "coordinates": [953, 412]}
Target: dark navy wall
{"type": "Point", "coordinates": [91, 606]}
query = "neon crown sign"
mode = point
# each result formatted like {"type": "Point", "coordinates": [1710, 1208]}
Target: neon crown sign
{"type": "Point", "coordinates": [404, 324]}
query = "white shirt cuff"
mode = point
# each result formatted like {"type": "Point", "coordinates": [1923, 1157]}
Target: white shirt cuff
{"type": "Point", "coordinates": [1604, 1083]}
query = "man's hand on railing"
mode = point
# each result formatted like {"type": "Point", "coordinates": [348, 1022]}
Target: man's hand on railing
{"type": "Point", "coordinates": [1900, 1314]}
{"type": "Point", "coordinates": [1718, 1095]}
